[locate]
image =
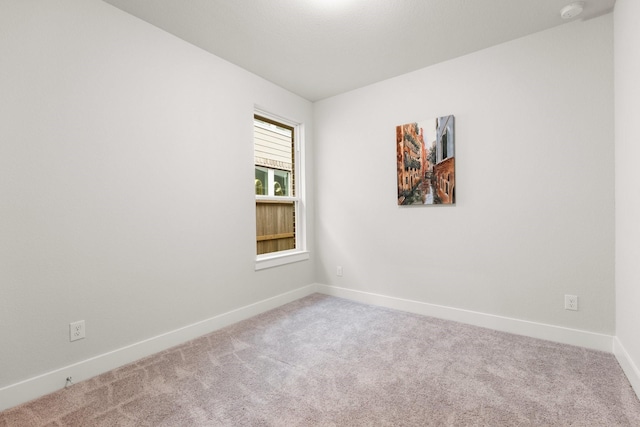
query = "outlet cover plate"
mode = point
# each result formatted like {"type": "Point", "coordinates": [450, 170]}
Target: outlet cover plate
{"type": "Point", "coordinates": [76, 330]}
{"type": "Point", "coordinates": [571, 302]}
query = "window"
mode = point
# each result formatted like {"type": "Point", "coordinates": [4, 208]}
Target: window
{"type": "Point", "coordinates": [445, 144]}
{"type": "Point", "coordinates": [279, 207]}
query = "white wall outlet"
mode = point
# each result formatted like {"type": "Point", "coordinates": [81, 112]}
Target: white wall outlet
{"type": "Point", "coordinates": [571, 302]}
{"type": "Point", "coordinates": [76, 330]}
{"type": "Point", "coordinates": [339, 271]}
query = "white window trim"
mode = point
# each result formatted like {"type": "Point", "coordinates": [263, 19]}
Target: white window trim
{"type": "Point", "coordinates": [276, 259]}
{"type": "Point", "coordinates": [300, 253]}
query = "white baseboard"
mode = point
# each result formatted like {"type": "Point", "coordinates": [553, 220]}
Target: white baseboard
{"type": "Point", "coordinates": [49, 382]}
{"type": "Point", "coordinates": [506, 324]}
{"type": "Point", "coordinates": [630, 369]}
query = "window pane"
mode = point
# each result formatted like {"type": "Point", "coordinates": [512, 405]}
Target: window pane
{"type": "Point", "coordinates": [261, 181]}
{"type": "Point", "coordinates": [281, 184]}
{"type": "Point", "coordinates": [275, 226]}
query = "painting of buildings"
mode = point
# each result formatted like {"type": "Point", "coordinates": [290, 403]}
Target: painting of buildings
{"type": "Point", "coordinates": [425, 155]}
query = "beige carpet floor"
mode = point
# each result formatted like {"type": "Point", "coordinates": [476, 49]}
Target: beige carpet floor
{"type": "Point", "coordinates": [325, 361]}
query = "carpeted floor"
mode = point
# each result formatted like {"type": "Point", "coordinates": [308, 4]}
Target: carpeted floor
{"type": "Point", "coordinates": [325, 361]}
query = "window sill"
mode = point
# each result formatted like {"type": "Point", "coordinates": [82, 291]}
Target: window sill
{"type": "Point", "coordinates": [277, 259]}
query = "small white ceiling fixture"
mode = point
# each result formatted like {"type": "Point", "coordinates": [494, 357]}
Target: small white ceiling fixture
{"type": "Point", "coordinates": [572, 10]}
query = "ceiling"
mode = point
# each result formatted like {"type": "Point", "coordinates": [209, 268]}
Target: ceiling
{"type": "Point", "coordinates": [321, 48]}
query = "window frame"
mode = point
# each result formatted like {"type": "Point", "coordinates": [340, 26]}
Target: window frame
{"type": "Point", "coordinates": [300, 252]}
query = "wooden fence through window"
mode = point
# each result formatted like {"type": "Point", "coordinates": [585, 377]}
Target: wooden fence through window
{"type": "Point", "coordinates": [275, 226]}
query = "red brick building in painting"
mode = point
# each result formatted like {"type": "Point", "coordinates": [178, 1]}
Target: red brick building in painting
{"type": "Point", "coordinates": [411, 159]}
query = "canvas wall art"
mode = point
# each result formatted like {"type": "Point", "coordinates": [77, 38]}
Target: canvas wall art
{"type": "Point", "coordinates": [426, 162]}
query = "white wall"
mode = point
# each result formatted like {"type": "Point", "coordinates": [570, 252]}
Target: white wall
{"type": "Point", "coordinates": [534, 218]}
{"type": "Point", "coordinates": [627, 130]}
{"type": "Point", "coordinates": [126, 184]}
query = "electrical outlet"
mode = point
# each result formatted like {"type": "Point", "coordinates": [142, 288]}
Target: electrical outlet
{"type": "Point", "coordinates": [76, 330]}
{"type": "Point", "coordinates": [571, 302]}
{"type": "Point", "coordinates": [339, 271]}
